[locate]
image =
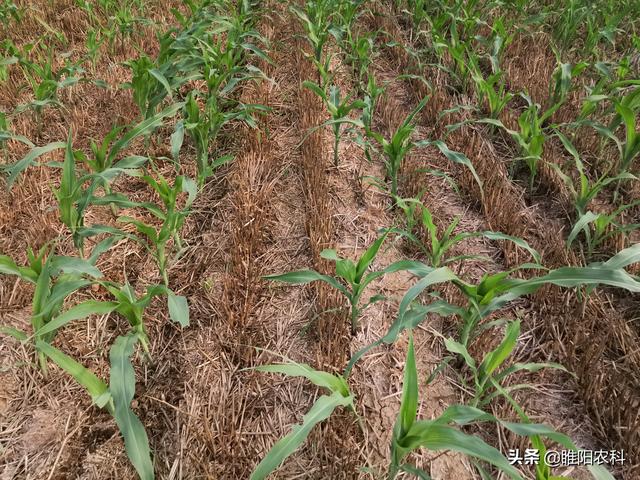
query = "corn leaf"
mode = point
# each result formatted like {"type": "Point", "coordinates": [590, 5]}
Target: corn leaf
{"type": "Point", "coordinates": [85, 377]}
{"type": "Point", "coordinates": [122, 386]}
{"type": "Point", "coordinates": [82, 310]}
{"type": "Point", "coordinates": [178, 309]}
{"type": "Point", "coordinates": [321, 410]}
{"type": "Point", "coordinates": [441, 437]}
{"type": "Point", "coordinates": [28, 160]}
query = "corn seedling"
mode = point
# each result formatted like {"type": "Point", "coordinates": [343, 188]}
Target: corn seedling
{"type": "Point", "coordinates": [339, 396]}
{"type": "Point", "coordinates": [171, 214]}
{"type": "Point", "coordinates": [441, 243]}
{"type": "Point", "coordinates": [55, 278]}
{"type": "Point", "coordinates": [9, 11]}
{"type": "Point", "coordinates": [351, 278]}
{"type": "Point", "coordinates": [445, 432]}
{"type": "Point", "coordinates": [494, 291]}
{"type": "Point", "coordinates": [492, 90]}
{"type": "Point", "coordinates": [397, 147]}
{"type": "Point", "coordinates": [104, 164]}
{"type": "Point", "coordinates": [128, 305]}
{"type": "Point", "coordinates": [202, 126]}
{"type": "Point", "coordinates": [46, 83]}
{"type": "Point", "coordinates": [603, 226]}
{"type": "Point", "coordinates": [316, 18]}
{"type": "Point", "coordinates": [530, 136]}
{"type": "Point", "coordinates": [146, 80]}
{"type": "Point", "coordinates": [339, 109]}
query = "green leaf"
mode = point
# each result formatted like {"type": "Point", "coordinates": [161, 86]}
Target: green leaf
{"type": "Point", "coordinates": [533, 429]}
{"type": "Point", "coordinates": [496, 357]}
{"type": "Point", "coordinates": [624, 258]}
{"type": "Point", "coordinates": [518, 241]}
{"type": "Point", "coordinates": [143, 128]}
{"type": "Point", "coordinates": [299, 277]}
{"type": "Point", "coordinates": [580, 225]}
{"type": "Point", "coordinates": [28, 160]}
{"type": "Point", "coordinates": [74, 265]}
{"type": "Point", "coordinates": [322, 379]}
{"type": "Point", "coordinates": [15, 333]}
{"type": "Point", "coordinates": [9, 267]}
{"type": "Point", "coordinates": [600, 473]}
{"type": "Point", "coordinates": [456, 347]}
{"type": "Point", "coordinates": [122, 386]}
{"type": "Point", "coordinates": [368, 256]}
{"type": "Point", "coordinates": [321, 410]}
{"type": "Point", "coordinates": [458, 157]}
{"type": "Point", "coordinates": [440, 437]}
{"type": "Point", "coordinates": [409, 402]}
{"type": "Point", "coordinates": [439, 275]}
{"type": "Point", "coordinates": [82, 310]}
{"type": "Point", "coordinates": [85, 377]}
{"type": "Point", "coordinates": [178, 309]}
{"type": "Point", "coordinates": [177, 139]}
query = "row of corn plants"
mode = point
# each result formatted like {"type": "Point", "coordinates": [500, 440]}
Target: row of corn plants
{"type": "Point", "coordinates": [453, 27]}
{"type": "Point", "coordinates": [449, 38]}
{"type": "Point", "coordinates": [213, 46]}
{"type": "Point", "coordinates": [487, 376]}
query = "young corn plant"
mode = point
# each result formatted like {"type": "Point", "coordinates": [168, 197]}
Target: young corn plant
{"type": "Point", "coordinates": [446, 431]}
{"type": "Point", "coordinates": [339, 109]}
{"type": "Point", "coordinates": [604, 225]}
{"type": "Point", "coordinates": [146, 80]}
{"type": "Point", "coordinates": [397, 147]}
{"type": "Point", "coordinates": [339, 396]}
{"type": "Point", "coordinates": [442, 242]}
{"type": "Point", "coordinates": [55, 278]}
{"type": "Point", "coordinates": [171, 215]}
{"type": "Point", "coordinates": [494, 291]}
{"type": "Point", "coordinates": [317, 20]}
{"type": "Point", "coordinates": [128, 305]}
{"type": "Point", "coordinates": [492, 90]}
{"type": "Point", "coordinates": [531, 135]}
{"type": "Point", "coordinates": [202, 126]}
{"type": "Point", "coordinates": [9, 11]}
{"type": "Point", "coordinates": [351, 279]}
{"type": "Point", "coordinates": [105, 164]}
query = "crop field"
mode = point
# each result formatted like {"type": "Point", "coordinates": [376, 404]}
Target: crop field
{"type": "Point", "coordinates": [321, 239]}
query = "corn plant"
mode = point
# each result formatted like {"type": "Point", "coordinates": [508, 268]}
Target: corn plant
{"type": "Point", "coordinates": [585, 190]}
{"type": "Point", "coordinates": [604, 225]}
{"type": "Point", "coordinates": [359, 55]}
{"type": "Point", "coordinates": [55, 278]}
{"type": "Point", "coordinates": [146, 80]}
{"type": "Point", "coordinates": [351, 279]}
{"type": "Point", "coordinates": [338, 107]}
{"type": "Point", "coordinates": [8, 11]}
{"type": "Point", "coordinates": [202, 125]}
{"type": "Point", "coordinates": [104, 164]}
{"type": "Point", "coordinates": [441, 243]}
{"type": "Point", "coordinates": [94, 42]}
{"type": "Point", "coordinates": [128, 305]}
{"type": "Point", "coordinates": [531, 135]}
{"type": "Point", "coordinates": [339, 396]}
{"type": "Point", "coordinates": [317, 20]}
{"type": "Point", "coordinates": [397, 147]}
{"type": "Point", "coordinates": [492, 90]}
{"type": "Point", "coordinates": [445, 432]}
{"type": "Point", "coordinates": [170, 213]}
{"type": "Point", "coordinates": [494, 291]}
